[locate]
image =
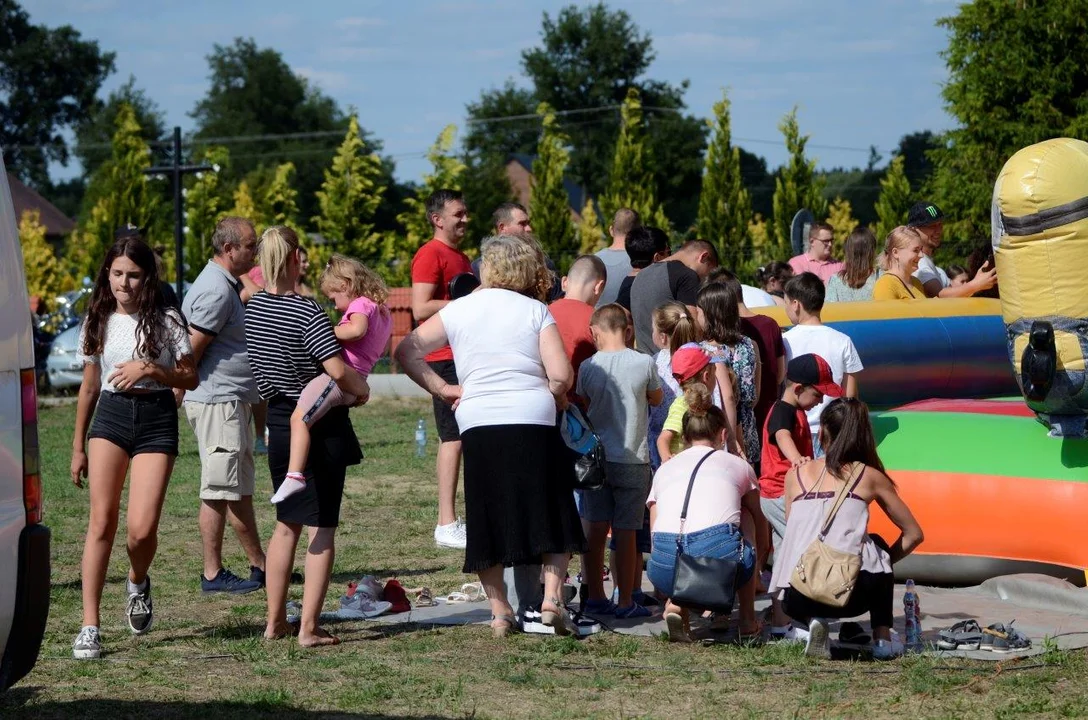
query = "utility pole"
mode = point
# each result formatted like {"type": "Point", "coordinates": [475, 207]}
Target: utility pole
{"type": "Point", "coordinates": [175, 170]}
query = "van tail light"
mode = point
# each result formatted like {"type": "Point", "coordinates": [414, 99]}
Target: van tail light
{"type": "Point", "coordinates": [32, 478]}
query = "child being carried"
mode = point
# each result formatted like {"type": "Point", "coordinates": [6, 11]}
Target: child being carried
{"type": "Point", "coordinates": [363, 332]}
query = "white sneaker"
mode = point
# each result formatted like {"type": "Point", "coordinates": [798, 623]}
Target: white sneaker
{"type": "Point", "coordinates": [790, 634]}
{"type": "Point", "coordinates": [451, 536]}
{"type": "Point", "coordinates": [88, 644]}
{"type": "Point", "coordinates": [531, 622]}
{"type": "Point", "coordinates": [362, 606]}
{"type": "Point", "coordinates": [887, 649]}
{"type": "Point", "coordinates": [819, 640]}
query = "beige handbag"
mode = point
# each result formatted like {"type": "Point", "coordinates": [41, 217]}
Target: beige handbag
{"type": "Point", "coordinates": [823, 573]}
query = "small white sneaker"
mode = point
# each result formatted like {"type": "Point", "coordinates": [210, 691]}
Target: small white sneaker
{"type": "Point", "coordinates": [887, 649]}
{"type": "Point", "coordinates": [88, 644]}
{"type": "Point", "coordinates": [451, 536]}
{"type": "Point", "coordinates": [819, 640]}
{"type": "Point", "coordinates": [789, 634]}
{"type": "Point", "coordinates": [362, 606]}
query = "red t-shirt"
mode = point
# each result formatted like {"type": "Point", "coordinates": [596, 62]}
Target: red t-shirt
{"type": "Point", "coordinates": [436, 263]}
{"type": "Point", "coordinates": [572, 320]}
{"type": "Point", "coordinates": [767, 336]}
{"type": "Point", "coordinates": [775, 465]}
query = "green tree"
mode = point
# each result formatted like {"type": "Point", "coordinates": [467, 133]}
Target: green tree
{"type": "Point", "coordinates": [447, 172]}
{"type": "Point", "coordinates": [49, 79]}
{"type": "Point", "coordinates": [549, 206]}
{"type": "Point", "coordinates": [92, 146]}
{"type": "Point", "coordinates": [631, 183]}
{"type": "Point", "coordinates": [245, 206]}
{"type": "Point", "coordinates": [725, 209]}
{"type": "Point", "coordinates": [348, 199]}
{"type": "Point", "coordinates": [205, 202]}
{"type": "Point", "coordinates": [589, 231]}
{"type": "Point", "coordinates": [894, 200]}
{"type": "Point", "coordinates": [797, 185]}
{"type": "Point", "coordinates": [44, 276]}
{"type": "Point", "coordinates": [1018, 74]}
{"type": "Point", "coordinates": [915, 149]}
{"type": "Point", "coordinates": [121, 193]}
{"type": "Point", "coordinates": [840, 216]}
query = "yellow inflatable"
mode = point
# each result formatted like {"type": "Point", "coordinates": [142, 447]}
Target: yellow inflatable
{"type": "Point", "coordinates": [1040, 239]}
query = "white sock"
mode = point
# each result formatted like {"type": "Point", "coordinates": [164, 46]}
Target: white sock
{"type": "Point", "coordinates": [293, 483]}
{"type": "Point", "coordinates": [134, 588]}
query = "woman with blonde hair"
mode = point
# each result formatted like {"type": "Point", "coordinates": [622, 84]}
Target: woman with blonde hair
{"type": "Point", "coordinates": [854, 283]}
{"type": "Point", "coordinates": [513, 375]}
{"type": "Point", "coordinates": [288, 337]}
{"type": "Point", "coordinates": [902, 251]}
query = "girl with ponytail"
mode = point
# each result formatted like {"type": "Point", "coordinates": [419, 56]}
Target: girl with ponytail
{"type": "Point", "coordinates": [673, 326]}
{"type": "Point", "coordinates": [721, 515]}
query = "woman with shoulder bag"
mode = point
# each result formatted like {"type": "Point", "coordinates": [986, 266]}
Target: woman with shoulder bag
{"type": "Point", "coordinates": [721, 485]}
{"type": "Point", "coordinates": [827, 503]}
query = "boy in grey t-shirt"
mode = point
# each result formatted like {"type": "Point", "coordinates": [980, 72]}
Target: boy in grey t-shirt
{"type": "Point", "coordinates": [618, 385]}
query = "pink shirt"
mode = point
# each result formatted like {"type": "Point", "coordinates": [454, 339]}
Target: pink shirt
{"type": "Point", "coordinates": [823, 269]}
{"type": "Point", "coordinates": [715, 498]}
{"type": "Point", "coordinates": [361, 354]}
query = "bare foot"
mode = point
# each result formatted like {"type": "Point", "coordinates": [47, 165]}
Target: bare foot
{"type": "Point", "coordinates": [317, 638]}
{"type": "Point", "coordinates": [278, 631]}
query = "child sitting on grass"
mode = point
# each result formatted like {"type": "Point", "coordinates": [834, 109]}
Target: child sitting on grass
{"type": "Point", "coordinates": [618, 385]}
{"type": "Point", "coordinates": [363, 331]}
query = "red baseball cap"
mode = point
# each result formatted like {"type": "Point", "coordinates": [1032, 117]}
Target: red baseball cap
{"type": "Point", "coordinates": [688, 361]}
{"type": "Point", "coordinates": [813, 370]}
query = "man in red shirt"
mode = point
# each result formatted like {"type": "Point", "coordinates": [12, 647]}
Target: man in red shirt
{"type": "Point", "coordinates": [582, 286]}
{"type": "Point", "coordinates": [434, 265]}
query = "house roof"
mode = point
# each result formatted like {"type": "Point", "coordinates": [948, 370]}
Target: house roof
{"type": "Point", "coordinates": [576, 195]}
{"type": "Point", "coordinates": [25, 198]}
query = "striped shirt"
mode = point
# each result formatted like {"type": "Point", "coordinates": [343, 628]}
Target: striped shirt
{"type": "Point", "coordinates": [287, 338]}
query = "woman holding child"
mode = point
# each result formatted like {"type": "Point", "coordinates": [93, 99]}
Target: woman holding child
{"type": "Point", "coordinates": [513, 374]}
{"type": "Point", "coordinates": [811, 488]}
{"type": "Point", "coordinates": [724, 485]}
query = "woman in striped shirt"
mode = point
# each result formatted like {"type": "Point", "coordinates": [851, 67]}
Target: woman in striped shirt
{"type": "Point", "coordinates": [290, 341]}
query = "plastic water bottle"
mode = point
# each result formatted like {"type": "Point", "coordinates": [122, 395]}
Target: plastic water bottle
{"type": "Point", "coordinates": [913, 617]}
{"type": "Point", "coordinates": [421, 438]}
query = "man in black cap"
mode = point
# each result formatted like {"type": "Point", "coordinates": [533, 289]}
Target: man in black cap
{"type": "Point", "coordinates": [927, 219]}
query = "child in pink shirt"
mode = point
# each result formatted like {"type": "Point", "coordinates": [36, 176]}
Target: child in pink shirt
{"type": "Point", "coordinates": [363, 332]}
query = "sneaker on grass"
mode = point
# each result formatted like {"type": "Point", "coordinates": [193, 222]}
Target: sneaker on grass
{"type": "Point", "coordinates": [531, 622]}
{"type": "Point", "coordinates": [138, 609]}
{"type": "Point", "coordinates": [789, 634]}
{"type": "Point", "coordinates": [819, 640]}
{"type": "Point", "coordinates": [451, 536]}
{"type": "Point", "coordinates": [227, 582]}
{"type": "Point", "coordinates": [88, 644]}
{"type": "Point", "coordinates": [362, 606]}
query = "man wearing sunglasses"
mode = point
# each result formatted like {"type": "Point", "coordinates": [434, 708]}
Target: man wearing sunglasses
{"type": "Point", "coordinates": [818, 258]}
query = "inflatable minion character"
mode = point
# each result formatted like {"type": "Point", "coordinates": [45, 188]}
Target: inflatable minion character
{"type": "Point", "coordinates": [1040, 239]}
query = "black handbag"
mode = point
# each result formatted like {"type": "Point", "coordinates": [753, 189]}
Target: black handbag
{"type": "Point", "coordinates": [587, 450]}
{"type": "Point", "coordinates": [703, 583]}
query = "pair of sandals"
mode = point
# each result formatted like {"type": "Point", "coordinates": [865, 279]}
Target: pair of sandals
{"type": "Point", "coordinates": [969, 635]}
{"type": "Point", "coordinates": [558, 619]}
{"type": "Point", "coordinates": [470, 592]}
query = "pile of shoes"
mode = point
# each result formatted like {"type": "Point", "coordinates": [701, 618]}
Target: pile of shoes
{"type": "Point", "coordinates": [969, 635]}
{"type": "Point", "coordinates": [364, 599]}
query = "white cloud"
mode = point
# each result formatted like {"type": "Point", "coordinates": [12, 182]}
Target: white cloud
{"type": "Point", "coordinates": [347, 53]}
{"type": "Point", "coordinates": [869, 47]}
{"type": "Point", "coordinates": [707, 44]}
{"type": "Point", "coordinates": [357, 22]}
{"type": "Point", "coordinates": [327, 79]}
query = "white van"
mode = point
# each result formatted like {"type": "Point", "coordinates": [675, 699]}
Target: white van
{"type": "Point", "coordinates": [24, 541]}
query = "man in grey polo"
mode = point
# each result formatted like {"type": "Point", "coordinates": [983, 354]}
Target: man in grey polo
{"type": "Point", "coordinates": [219, 410]}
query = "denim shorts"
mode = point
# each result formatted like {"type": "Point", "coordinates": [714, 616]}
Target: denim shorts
{"type": "Point", "coordinates": [719, 541]}
{"type": "Point", "coordinates": [137, 422]}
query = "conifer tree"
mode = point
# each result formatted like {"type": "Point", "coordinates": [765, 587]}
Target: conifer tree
{"type": "Point", "coordinates": [204, 205]}
{"type": "Point", "coordinates": [894, 201]}
{"type": "Point", "coordinates": [589, 230]}
{"type": "Point", "coordinates": [348, 199]}
{"type": "Point", "coordinates": [631, 182]}
{"type": "Point", "coordinates": [246, 207]}
{"type": "Point", "coordinates": [840, 216]}
{"type": "Point", "coordinates": [725, 209]}
{"type": "Point", "coordinates": [796, 187]}
{"type": "Point", "coordinates": [549, 205]}
{"type": "Point", "coordinates": [44, 276]}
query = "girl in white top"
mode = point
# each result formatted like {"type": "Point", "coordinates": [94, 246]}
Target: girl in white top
{"type": "Point", "coordinates": [134, 350]}
{"type": "Point", "coordinates": [721, 513]}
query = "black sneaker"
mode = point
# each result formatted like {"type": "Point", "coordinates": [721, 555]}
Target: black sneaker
{"type": "Point", "coordinates": [227, 582]}
{"type": "Point", "coordinates": [257, 575]}
{"type": "Point", "coordinates": [138, 610]}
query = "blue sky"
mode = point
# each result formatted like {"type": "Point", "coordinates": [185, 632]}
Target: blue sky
{"type": "Point", "coordinates": [863, 72]}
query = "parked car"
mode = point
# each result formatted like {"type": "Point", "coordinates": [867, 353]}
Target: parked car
{"type": "Point", "coordinates": [64, 370]}
{"type": "Point", "coordinates": [24, 541]}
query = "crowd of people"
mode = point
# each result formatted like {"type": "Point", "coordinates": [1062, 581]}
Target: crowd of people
{"type": "Point", "coordinates": [723, 436]}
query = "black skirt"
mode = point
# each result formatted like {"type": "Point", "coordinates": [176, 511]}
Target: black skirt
{"type": "Point", "coordinates": [333, 446]}
{"type": "Point", "coordinates": [519, 502]}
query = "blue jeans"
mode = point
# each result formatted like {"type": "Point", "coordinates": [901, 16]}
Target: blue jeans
{"type": "Point", "coordinates": [719, 541]}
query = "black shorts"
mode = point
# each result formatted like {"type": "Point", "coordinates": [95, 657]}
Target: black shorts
{"type": "Point", "coordinates": [443, 411]}
{"type": "Point", "coordinates": [333, 446]}
{"type": "Point", "coordinates": [137, 422]}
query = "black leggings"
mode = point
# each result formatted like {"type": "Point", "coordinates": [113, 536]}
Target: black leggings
{"type": "Point", "coordinates": [873, 594]}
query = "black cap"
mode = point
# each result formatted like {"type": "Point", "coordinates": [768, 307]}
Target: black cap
{"type": "Point", "coordinates": [128, 230]}
{"type": "Point", "coordinates": [923, 213]}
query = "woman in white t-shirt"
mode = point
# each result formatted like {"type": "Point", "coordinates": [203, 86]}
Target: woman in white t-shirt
{"type": "Point", "coordinates": [513, 373]}
{"type": "Point", "coordinates": [134, 350]}
{"type": "Point", "coordinates": [715, 526]}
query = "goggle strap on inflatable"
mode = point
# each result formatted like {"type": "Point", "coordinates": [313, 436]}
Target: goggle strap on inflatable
{"type": "Point", "coordinates": [1046, 219]}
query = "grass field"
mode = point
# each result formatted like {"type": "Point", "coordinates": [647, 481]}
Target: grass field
{"type": "Point", "coordinates": [206, 659]}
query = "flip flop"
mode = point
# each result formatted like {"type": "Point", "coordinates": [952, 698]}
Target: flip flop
{"type": "Point", "coordinates": [964, 635]}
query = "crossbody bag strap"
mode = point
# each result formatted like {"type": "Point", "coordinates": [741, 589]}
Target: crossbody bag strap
{"type": "Point", "coordinates": [687, 497]}
{"type": "Point", "coordinates": [846, 489]}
